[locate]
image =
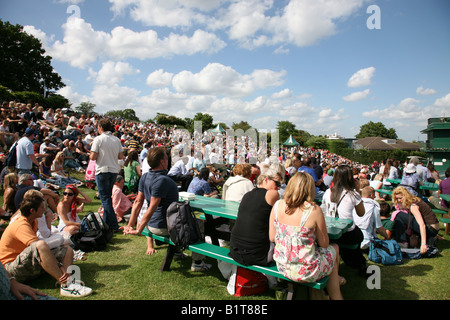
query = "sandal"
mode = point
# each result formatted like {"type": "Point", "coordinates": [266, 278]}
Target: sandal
{"type": "Point", "coordinates": [342, 281]}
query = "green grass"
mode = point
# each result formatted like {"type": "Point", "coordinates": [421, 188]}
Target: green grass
{"type": "Point", "coordinates": [124, 272]}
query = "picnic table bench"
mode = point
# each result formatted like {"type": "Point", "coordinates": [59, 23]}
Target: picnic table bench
{"type": "Point", "coordinates": [220, 253]}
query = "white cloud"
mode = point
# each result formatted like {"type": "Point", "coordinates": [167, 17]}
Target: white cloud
{"type": "Point", "coordinates": [422, 91]}
{"type": "Point", "coordinates": [444, 102]}
{"type": "Point", "coordinates": [252, 23]}
{"type": "Point", "coordinates": [408, 109]}
{"type": "Point", "coordinates": [113, 72]}
{"type": "Point", "coordinates": [283, 94]}
{"type": "Point", "coordinates": [218, 79]}
{"type": "Point", "coordinates": [357, 96]}
{"type": "Point", "coordinates": [39, 34]}
{"type": "Point", "coordinates": [361, 78]}
{"type": "Point", "coordinates": [159, 79]}
{"type": "Point", "coordinates": [82, 45]}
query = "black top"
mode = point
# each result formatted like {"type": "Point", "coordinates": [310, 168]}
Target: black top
{"type": "Point", "coordinates": [249, 243]}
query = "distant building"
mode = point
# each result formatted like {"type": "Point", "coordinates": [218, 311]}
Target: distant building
{"type": "Point", "coordinates": [384, 144]}
{"type": "Point", "coordinates": [335, 136]}
{"type": "Point", "coordinates": [437, 145]}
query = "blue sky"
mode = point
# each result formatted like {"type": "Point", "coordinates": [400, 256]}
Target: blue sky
{"type": "Point", "coordinates": [314, 63]}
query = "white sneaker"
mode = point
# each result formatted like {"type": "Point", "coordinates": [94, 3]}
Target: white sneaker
{"type": "Point", "coordinates": [200, 267]}
{"type": "Point", "coordinates": [75, 290]}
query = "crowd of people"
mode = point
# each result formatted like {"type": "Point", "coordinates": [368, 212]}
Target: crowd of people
{"type": "Point", "coordinates": [140, 169]}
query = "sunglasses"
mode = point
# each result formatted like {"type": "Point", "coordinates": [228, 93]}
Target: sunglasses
{"type": "Point", "coordinates": [68, 194]}
{"type": "Point", "coordinates": [277, 183]}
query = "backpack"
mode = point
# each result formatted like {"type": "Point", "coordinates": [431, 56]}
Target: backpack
{"type": "Point", "coordinates": [182, 224]}
{"type": "Point", "coordinates": [11, 158]}
{"type": "Point", "coordinates": [89, 241]}
{"type": "Point", "coordinates": [94, 233]}
{"type": "Point", "coordinates": [386, 252]}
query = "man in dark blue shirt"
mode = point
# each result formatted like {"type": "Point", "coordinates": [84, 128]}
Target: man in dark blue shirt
{"type": "Point", "coordinates": [159, 191]}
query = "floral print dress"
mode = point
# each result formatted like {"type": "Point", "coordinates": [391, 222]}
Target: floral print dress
{"type": "Point", "coordinates": [296, 253]}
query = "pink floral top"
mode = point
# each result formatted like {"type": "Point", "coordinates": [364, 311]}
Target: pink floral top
{"type": "Point", "coordinates": [297, 256]}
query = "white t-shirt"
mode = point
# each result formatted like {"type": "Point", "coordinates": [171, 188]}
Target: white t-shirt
{"type": "Point", "coordinates": [346, 207]}
{"type": "Point", "coordinates": [108, 148]}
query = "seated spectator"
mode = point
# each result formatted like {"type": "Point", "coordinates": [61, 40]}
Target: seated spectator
{"type": "Point", "coordinates": [81, 154]}
{"type": "Point", "coordinates": [11, 289]}
{"type": "Point", "coordinates": [411, 180]}
{"type": "Point", "coordinates": [200, 186]}
{"type": "Point", "coordinates": [239, 184]}
{"type": "Point", "coordinates": [122, 204]}
{"type": "Point", "coordinates": [413, 211]}
{"type": "Point", "coordinates": [444, 188]}
{"type": "Point", "coordinates": [47, 147]}
{"type": "Point", "coordinates": [10, 189]}
{"type": "Point", "coordinates": [308, 168]}
{"type": "Point", "coordinates": [328, 178]}
{"type": "Point", "coordinates": [132, 172]}
{"type": "Point", "coordinates": [249, 242]}
{"type": "Point", "coordinates": [385, 215]}
{"type": "Point", "coordinates": [302, 248]}
{"type": "Point", "coordinates": [341, 200]}
{"type": "Point", "coordinates": [179, 173]}
{"type": "Point", "coordinates": [24, 256]}
{"type": "Point", "coordinates": [371, 220]}
{"type": "Point", "coordinates": [26, 183]}
{"type": "Point", "coordinates": [68, 209]}
{"type": "Point", "coordinates": [58, 174]}
{"type": "Point", "coordinates": [69, 157]}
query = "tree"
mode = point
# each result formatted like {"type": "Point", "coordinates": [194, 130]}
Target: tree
{"type": "Point", "coordinates": [317, 143]}
{"type": "Point", "coordinates": [127, 114]}
{"type": "Point", "coordinates": [377, 129]}
{"type": "Point", "coordinates": [244, 125]}
{"type": "Point", "coordinates": [285, 129]}
{"type": "Point", "coordinates": [206, 119]}
{"type": "Point", "coordinates": [24, 65]}
{"type": "Point", "coordinates": [85, 108]}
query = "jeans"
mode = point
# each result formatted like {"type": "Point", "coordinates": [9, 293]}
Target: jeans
{"type": "Point", "coordinates": [105, 182]}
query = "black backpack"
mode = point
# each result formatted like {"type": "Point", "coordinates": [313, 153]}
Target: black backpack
{"type": "Point", "coordinates": [182, 224]}
{"type": "Point", "coordinates": [11, 158]}
{"type": "Point", "coordinates": [89, 241]}
{"type": "Point", "coordinates": [94, 234]}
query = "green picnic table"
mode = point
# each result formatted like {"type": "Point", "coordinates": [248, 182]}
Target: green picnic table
{"type": "Point", "coordinates": [214, 207]}
{"type": "Point", "coordinates": [429, 186]}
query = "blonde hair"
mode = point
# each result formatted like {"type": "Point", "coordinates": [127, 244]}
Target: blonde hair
{"type": "Point", "coordinates": [300, 188]}
{"type": "Point", "coordinates": [367, 191]}
{"type": "Point", "coordinates": [59, 157]}
{"type": "Point", "coordinates": [408, 198]}
{"type": "Point", "coordinates": [10, 181]}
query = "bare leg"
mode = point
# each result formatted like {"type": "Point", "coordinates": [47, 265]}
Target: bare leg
{"type": "Point", "coordinates": [333, 287]}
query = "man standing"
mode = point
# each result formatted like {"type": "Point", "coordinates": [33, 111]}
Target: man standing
{"type": "Point", "coordinates": [25, 153]}
{"type": "Point", "coordinates": [106, 151]}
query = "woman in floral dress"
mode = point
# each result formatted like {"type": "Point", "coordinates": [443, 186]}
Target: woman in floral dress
{"type": "Point", "coordinates": [302, 248]}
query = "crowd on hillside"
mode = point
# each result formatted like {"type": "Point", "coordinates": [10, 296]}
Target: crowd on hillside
{"type": "Point", "coordinates": [61, 143]}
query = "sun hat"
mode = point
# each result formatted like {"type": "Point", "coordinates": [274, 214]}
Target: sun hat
{"type": "Point", "coordinates": [410, 168]}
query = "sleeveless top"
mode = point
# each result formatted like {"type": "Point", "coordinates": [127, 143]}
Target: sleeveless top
{"type": "Point", "coordinates": [297, 256]}
{"type": "Point", "coordinates": [249, 242]}
{"type": "Point", "coordinates": [429, 217]}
